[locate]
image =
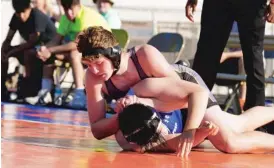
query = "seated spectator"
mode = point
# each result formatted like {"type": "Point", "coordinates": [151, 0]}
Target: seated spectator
{"type": "Point", "coordinates": [237, 54]}
{"type": "Point", "coordinates": [76, 19]}
{"type": "Point", "coordinates": [46, 7]}
{"type": "Point", "coordinates": [36, 29]}
{"type": "Point", "coordinates": [105, 7]}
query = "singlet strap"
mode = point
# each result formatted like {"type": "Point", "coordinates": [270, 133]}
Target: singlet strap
{"type": "Point", "coordinates": [139, 68]}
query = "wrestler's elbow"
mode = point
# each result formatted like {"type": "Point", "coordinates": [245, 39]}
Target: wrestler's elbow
{"type": "Point", "coordinates": [96, 133]}
{"type": "Point", "coordinates": [96, 130]}
{"type": "Point", "coordinates": [184, 94]}
{"type": "Point", "coordinates": [98, 137]}
{"type": "Point", "coordinates": [196, 88]}
{"type": "Point", "coordinates": [200, 94]}
{"type": "Point", "coordinates": [202, 91]}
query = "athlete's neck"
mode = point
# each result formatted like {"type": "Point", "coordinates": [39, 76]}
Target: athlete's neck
{"type": "Point", "coordinates": [124, 64]}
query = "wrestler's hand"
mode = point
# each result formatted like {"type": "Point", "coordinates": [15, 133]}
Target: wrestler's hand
{"type": "Point", "coordinates": [209, 127]}
{"type": "Point", "coordinates": [185, 143]}
{"type": "Point", "coordinates": [125, 101]}
{"type": "Point", "coordinates": [190, 9]}
{"type": "Point", "coordinates": [269, 15]}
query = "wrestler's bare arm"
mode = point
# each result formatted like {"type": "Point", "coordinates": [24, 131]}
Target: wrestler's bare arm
{"type": "Point", "coordinates": [155, 93]}
{"type": "Point", "coordinates": [101, 127]}
{"type": "Point", "coordinates": [154, 63]}
{"type": "Point", "coordinates": [167, 94]}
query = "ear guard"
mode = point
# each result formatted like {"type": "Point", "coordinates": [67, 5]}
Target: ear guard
{"type": "Point", "coordinates": [111, 52]}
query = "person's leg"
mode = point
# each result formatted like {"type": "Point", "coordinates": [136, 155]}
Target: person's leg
{"type": "Point", "coordinates": [25, 82]}
{"type": "Point", "coordinates": [33, 65]}
{"type": "Point", "coordinates": [216, 23]}
{"type": "Point", "coordinates": [242, 88]}
{"type": "Point", "coordinates": [252, 119]}
{"type": "Point", "coordinates": [77, 69]}
{"type": "Point", "coordinates": [79, 97]}
{"type": "Point", "coordinates": [47, 80]}
{"type": "Point", "coordinates": [34, 70]}
{"type": "Point", "coordinates": [251, 30]}
{"type": "Point", "coordinates": [48, 70]}
{"type": "Point", "coordinates": [243, 84]}
{"type": "Point", "coordinates": [235, 132]}
{"type": "Point", "coordinates": [44, 95]}
{"type": "Point", "coordinates": [28, 59]}
{"type": "Point", "coordinates": [4, 71]}
{"type": "Point", "coordinates": [251, 142]}
{"type": "Point", "coordinates": [5, 65]}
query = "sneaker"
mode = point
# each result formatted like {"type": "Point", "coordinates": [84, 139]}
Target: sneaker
{"type": "Point", "coordinates": [79, 100]}
{"type": "Point", "coordinates": [43, 98]}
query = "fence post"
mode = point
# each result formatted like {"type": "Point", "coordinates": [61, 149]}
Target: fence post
{"type": "Point", "coordinates": [154, 24]}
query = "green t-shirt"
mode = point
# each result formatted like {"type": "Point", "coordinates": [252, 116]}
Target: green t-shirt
{"type": "Point", "coordinates": [86, 17]}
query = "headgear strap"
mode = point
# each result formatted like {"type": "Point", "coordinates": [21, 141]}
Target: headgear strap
{"type": "Point", "coordinates": [113, 53]}
{"type": "Point", "coordinates": [139, 129]}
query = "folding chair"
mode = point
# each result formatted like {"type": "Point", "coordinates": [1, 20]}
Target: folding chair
{"type": "Point", "coordinates": [169, 44]}
{"type": "Point", "coordinates": [230, 66]}
{"type": "Point", "coordinates": [122, 37]}
{"type": "Point", "coordinates": [59, 79]}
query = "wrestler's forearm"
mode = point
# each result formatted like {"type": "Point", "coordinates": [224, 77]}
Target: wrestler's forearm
{"type": "Point", "coordinates": [105, 127]}
{"type": "Point", "coordinates": [124, 144]}
{"type": "Point", "coordinates": [160, 105]}
{"type": "Point", "coordinates": [172, 141]}
{"type": "Point", "coordinates": [197, 104]}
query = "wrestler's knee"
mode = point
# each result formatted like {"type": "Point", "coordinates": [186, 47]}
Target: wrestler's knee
{"type": "Point", "coordinates": [232, 146]}
{"type": "Point", "coordinates": [225, 141]}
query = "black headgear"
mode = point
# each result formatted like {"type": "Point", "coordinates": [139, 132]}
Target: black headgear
{"type": "Point", "coordinates": [136, 128]}
{"type": "Point", "coordinates": [113, 53]}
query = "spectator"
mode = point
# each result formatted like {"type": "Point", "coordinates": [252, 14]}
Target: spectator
{"type": "Point", "coordinates": [36, 29]}
{"type": "Point", "coordinates": [46, 7]}
{"type": "Point", "coordinates": [216, 22]}
{"type": "Point", "coordinates": [237, 54]}
{"type": "Point", "coordinates": [105, 7]}
{"type": "Point", "coordinates": [76, 19]}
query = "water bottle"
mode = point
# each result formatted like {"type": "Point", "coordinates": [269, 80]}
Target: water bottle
{"type": "Point", "coordinates": [58, 96]}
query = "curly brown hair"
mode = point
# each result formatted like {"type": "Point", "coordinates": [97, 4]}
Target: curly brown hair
{"type": "Point", "coordinates": [95, 37]}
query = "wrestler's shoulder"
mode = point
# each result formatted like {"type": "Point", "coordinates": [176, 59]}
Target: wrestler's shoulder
{"type": "Point", "coordinates": [146, 51]}
{"type": "Point", "coordinates": [144, 47]}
